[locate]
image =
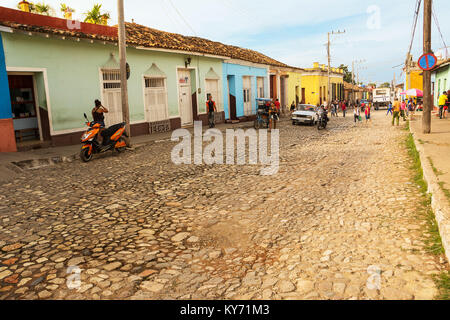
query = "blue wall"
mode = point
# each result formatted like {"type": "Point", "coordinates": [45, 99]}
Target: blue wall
{"type": "Point", "coordinates": [236, 72]}
{"type": "Point", "coordinates": [5, 103]}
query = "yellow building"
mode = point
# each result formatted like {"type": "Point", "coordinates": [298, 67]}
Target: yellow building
{"type": "Point", "coordinates": [285, 85]}
{"type": "Point", "coordinates": [295, 86]}
{"type": "Point", "coordinates": [315, 84]}
{"type": "Point", "coordinates": [413, 77]}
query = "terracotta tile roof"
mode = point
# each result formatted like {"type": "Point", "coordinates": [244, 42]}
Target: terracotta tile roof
{"type": "Point", "coordinates": [137, 35]}
{"type": "Point", "coordinates": [349, 86]}
{"type": "Point", "coordinates": [153, 38]}
{"type": "Point", "coordinates": [441, 63]}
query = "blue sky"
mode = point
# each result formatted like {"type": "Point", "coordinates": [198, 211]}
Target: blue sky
{"type": "Point", "coordinates": [292, 31]}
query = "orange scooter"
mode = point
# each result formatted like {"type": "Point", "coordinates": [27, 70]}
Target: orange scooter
{"type": "Point", "coordinates": [112, 139]}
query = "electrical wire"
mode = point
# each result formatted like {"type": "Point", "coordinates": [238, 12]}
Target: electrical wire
{"type": "Point", "coordinates": [439, 29]}
{"type": "Point", "coordinates": [182, 18]}
{"type": "Point", "coordinates": [413, 33]}
{"type": "Point", "coordinates": [174, 22]}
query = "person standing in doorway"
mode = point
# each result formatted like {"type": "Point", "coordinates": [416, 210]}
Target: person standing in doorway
{"type": "Point", "coordinates": [443, 98]}
{"type": "Point", "coordinates": [396, 114]}
{"type": "Point", "coordinates": [211, 107]}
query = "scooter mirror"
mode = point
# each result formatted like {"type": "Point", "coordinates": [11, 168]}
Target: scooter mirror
{"type": "Point", "coordinates": [85, 116]}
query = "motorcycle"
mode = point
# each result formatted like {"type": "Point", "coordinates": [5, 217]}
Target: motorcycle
{"type": "Point", "coordinates": [322, 120]}
{"type": "Point", "coordinates": [112, 139]}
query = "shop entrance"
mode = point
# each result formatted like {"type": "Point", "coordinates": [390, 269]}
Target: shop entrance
{"type": "Point", "coordinates": [25, 111]}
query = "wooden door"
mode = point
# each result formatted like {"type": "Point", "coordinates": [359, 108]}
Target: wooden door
{"type": "Point", "coordinates": [185, 102]}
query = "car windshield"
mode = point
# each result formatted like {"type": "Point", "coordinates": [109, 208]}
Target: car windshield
{"type": "Point", "coordinates": [306, 108]}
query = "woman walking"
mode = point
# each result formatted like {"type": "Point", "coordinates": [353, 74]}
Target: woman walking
{"type": "Point", "coordinates": [356, 113]}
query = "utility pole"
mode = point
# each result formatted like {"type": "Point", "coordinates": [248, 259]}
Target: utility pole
{"type": "Point", "coordinates": [427, 103]}
{"type": "Point", "coordinates": [329, 64]}
{"type": "Point", "coordinates": [353, 80]}
{"type": "Point", "coordinates": [355, 73]}
{"type": "Point", "coordinates": [123, 69]}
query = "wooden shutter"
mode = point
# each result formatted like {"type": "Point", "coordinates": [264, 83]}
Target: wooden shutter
{"type": "Point", "coordinates": [156, 99]}
{"type": "Point", "coordinates": [112, 99]}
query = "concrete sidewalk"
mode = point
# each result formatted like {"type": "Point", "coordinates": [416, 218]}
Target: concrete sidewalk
{"type": "Point", "coordinates": [434, 152]}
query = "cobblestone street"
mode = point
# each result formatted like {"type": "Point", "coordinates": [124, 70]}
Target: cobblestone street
{"type": "Point", "coordinates": [341, 220]}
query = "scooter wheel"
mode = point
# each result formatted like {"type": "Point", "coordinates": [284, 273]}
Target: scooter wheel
{"type": "Point", "coordinates": [120, 150]}
{"type": "Point", "coordinates": [85, 156]}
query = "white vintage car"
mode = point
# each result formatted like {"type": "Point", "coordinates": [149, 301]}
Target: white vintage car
{"type": "Point", "coordinates": [305, 113]}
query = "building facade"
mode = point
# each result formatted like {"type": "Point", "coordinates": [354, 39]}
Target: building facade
{"type": "Point", "coordinates": [8, 143]}
{"type": "Point", "coordinates": [55, 69]}
{"type": "Point", "coordinates": [442, 79]}
{"type": "Point", "coordinates": [243, 83]}
{"type": "Point", "coordinates": [315, 84]}
{"type": "Point", "coordinates": [161, 87]}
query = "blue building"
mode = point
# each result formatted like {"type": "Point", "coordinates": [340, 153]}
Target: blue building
{"type": "Point", "coordinates": [243, 83]}
{"type": "Point", "coordinates": [8, 140]}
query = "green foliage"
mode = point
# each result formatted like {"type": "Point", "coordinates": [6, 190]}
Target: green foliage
{"type": "Point", "coordinates": [347, 74]}
{"type": "Point", "coordinates": [385, 85]}
{"type": "Point", "coordinates": [66, 8]}
{"type": "Point", "coordinates": [94, 15]}
{"type": "Point", "coordinates": [42, 8]}
{"type": "Point", "coordinates": [433, 242]}
{"type": "Point", "coordinates": [443, 284]}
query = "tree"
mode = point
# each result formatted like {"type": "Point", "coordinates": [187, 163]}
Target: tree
{"type": "Point", "coordinates": [43, 8]}
{"type": "Point", "coordinates": [373, 85]}
{"type": "Point", "coordinates": [347, 74]}
{"type": "Point", "coordinates": [385, 85]}
{"type": "Point", "coordinates": [94, 15]}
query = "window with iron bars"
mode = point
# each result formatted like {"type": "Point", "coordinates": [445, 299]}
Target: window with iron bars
{"type": "Point", "coordinates": [111, 79]}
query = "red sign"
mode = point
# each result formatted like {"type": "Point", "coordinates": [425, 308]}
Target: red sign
{"type": "Point", "coordinates": [427, 61]}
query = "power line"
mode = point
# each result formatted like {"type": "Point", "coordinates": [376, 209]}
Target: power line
{"type": "Point", "coordinates": [182, 18]}
{"type": "Point", "coordinates": [174, 21]}
{"type": "Point", "coordinates": [416, 17]}
{"type": "Point", "coordinates": [439, 29]}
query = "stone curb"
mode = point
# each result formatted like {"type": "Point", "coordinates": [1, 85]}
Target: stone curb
{"type": "Point", "coordinates": [439, 201]}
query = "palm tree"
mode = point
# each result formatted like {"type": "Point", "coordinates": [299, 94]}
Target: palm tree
{"type": "Point", "coordinates": [94, 16]}
{"type": "Point", "coordinates": [42, 8]}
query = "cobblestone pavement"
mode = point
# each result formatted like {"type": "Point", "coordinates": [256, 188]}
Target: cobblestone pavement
{"type": "Point", "coordinates": [339, 221]}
